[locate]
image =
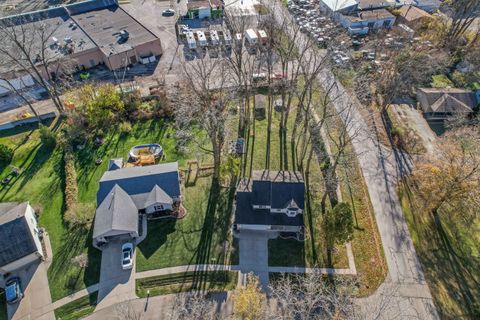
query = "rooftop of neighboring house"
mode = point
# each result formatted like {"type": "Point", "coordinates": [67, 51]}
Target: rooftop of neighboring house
{"type": "Point", "coordinates": [15, 236]}
{"type": "Point", "coordinates": [267, 190]}
{"type": "Point", "coordinates": [446, 100]}
{"type": "Point", "coordinates": [376, 14]}
{"type": "Point", "coordinates": [197, 4]}
{"type": "Point", "coordinates": [371, 4]}
{"type": "Point", "coordinates": [412, 13]}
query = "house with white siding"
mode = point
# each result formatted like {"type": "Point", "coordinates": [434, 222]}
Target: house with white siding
{"type": "Point", "coordinates": [19, 237]}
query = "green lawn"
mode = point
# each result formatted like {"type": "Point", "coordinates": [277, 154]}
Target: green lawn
{"type": "Point", "coordinates": [450, 258]}
{"type": "Point", "coordinates": [202, 236]}
{"type": "Point", "coordinates": [77, 309]}
{"type": "Point", "coordinates": [210, 281]}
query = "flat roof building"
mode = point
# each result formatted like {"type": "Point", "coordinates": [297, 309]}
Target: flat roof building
{"type": "Point", "coordinates": [88, 33]}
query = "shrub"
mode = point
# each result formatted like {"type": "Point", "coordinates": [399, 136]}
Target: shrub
{"type": "Point", "coordinates": [339, 224]}
{"type": "Point", "coordinates": [125, 127]}
{"type": "Point", "coordinates": [47, 136]}
{"type": "Point", "coordinates": [6, 155]}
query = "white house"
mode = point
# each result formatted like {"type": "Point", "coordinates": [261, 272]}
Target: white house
{"type": "Point", "coordinates": [19, 237]}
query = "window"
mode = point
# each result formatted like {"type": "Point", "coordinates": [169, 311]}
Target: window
{"type": "Point", "coordinates": [158, 207]}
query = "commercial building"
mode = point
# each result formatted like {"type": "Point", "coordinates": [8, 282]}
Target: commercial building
{"type": "Point", "coordinates": [83, 35]}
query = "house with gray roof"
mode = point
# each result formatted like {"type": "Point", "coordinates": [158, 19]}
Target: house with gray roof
{"type": "Point", "coordinates": [19, 237]}
{"type": "Point", "coordinates": [128, 193]}
{"type": "Point", "coordinates": [440, 103]}
{"type": "Point", "coordinates": [271, 201]}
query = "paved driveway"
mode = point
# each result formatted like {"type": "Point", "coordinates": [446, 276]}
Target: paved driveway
{"type": "Point", "coordinates": [115, 284]}
{"type": "Point", "coordinates": [37, 300]}
{"type": "Point", "coordinates": [253, 248]}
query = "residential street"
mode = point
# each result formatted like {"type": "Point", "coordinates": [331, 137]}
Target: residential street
{"type": "Point", "coordinates": [406, 289]}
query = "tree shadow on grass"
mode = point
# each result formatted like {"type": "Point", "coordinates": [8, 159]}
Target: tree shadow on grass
{"type": "Point", "coordinates": [157, 232]}
{"type": "Point", "coordinates": [63, 275]}
{"type": "Point", "coordinates": [463, 281]}
{"type": "Point", "coordinates": [215, 232]}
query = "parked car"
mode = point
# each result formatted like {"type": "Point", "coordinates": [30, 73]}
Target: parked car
{"type": "Point", "coordinates": [256, 77]}
{"type": "Point", "coordinates": [13, 290]}
{"type": "Point", "coordinates": [168, 12]}
{"type": "Point", "coordinates": [127, 256]}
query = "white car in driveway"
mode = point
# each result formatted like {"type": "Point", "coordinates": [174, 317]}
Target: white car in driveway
{"type": "Point", "coordinates": [127, 256]}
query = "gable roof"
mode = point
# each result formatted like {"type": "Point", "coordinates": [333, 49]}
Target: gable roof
{"type": "Point", "coordinates": [114, 164]}
{"type": "Point", "coordinates": [412, 13]}
{"type": "Point", "coordinates": [117, 212]}
{"type": "Point", "coordinates": [157, 195]}
{"type": "Point", "coordinates": [15, 236]}
{"type": "Point", "coordinates": [277, 189]}
{"type": "Point", "coordinates": [141, 180]}
{"type": "Point", "coordinates": [446, 100]}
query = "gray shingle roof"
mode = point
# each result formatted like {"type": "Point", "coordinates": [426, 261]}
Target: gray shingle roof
{"type": "Point", "coordinates": [15, 236]}
{"type": "Point", "coordinates": [140, 180]}
{"type": "Point", "coordinates": [446, 100]}
{"type": "Point", "coordinates": [245, 214]}
{"type": "Point", "coordinates": [116, 212]}
{"type": "Point", "coordinates": [157, 195]}
{"type": "Point", "coordinates": [279, 189]}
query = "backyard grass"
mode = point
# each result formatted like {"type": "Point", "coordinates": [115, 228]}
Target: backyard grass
{"type": "Point", "coordinates": [202, 236]}
{"type": "Point", "coordinates": [77, 309]}
{"type": "Point", "coordinates": [42, 182]}
{"type": "Point", "coordinates": [210, 281]}
{"type": "Point", "coordinates": [450, 257]}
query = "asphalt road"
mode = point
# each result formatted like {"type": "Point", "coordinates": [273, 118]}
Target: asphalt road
{"type": "Point", "coordinates": [405, 290]}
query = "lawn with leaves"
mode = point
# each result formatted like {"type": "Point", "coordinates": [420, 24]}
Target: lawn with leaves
{"type": "Point", "coordinates": [449, 252]}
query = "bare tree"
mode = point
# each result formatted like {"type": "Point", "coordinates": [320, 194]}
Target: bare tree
{"type": "Point", "coordinates": [27, 46]}
{"type": "Point", "coordinates": [204, 99]}
{"type": "Point", "coordinates": [463, 14]}
{"type": "Point", "coordinates": [126, 311]}
{"type": "Point", "coordinates": [312, 296]}
{"type": "Point", "coordinates": [193, 306]}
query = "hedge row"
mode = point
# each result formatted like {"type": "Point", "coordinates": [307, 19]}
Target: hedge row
{"type": "Point", "coordinates": [71, 188]}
